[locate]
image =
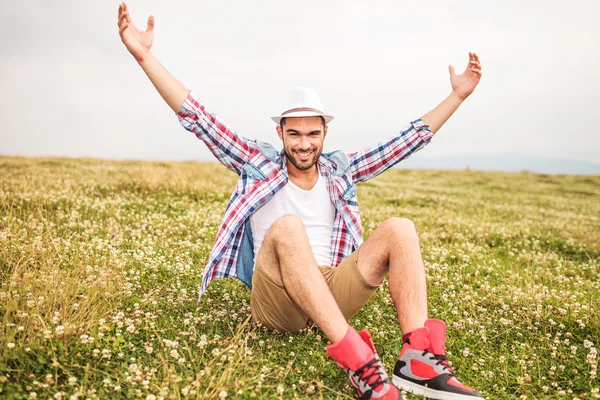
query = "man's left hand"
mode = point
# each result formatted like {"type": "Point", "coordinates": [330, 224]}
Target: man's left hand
{"type": "Point", "coordinates": [464, 84]}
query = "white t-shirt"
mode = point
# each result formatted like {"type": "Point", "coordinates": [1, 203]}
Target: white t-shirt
{"type": "Point", "coordinates": [314, 208]}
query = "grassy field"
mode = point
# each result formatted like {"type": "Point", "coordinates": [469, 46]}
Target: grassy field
{"type": "Point", "coordinates": [100, 263]}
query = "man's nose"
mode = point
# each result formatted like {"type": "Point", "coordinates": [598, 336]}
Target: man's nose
{"type": "Point", "coordinates": [304, 143]}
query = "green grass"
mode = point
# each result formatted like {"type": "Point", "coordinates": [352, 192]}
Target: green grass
{"type": "Point", "coordinates": [100, 263]}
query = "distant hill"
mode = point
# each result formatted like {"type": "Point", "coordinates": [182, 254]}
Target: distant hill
{"type": "Point", "coordinates": [502, 162]}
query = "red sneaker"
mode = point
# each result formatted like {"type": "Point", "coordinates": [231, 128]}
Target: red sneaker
{"type": "Point", "coordinates": [356, 354]}
{"type": "Point", "coordinates": [422, 367]}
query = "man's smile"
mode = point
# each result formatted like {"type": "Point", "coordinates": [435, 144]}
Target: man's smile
{"type": "Point", "coordinates": [304, 155]}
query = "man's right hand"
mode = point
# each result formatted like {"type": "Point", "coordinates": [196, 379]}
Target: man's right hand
{"type": "Point", "coordinates": [137, 42]}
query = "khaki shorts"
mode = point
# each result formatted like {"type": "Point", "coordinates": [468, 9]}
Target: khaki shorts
{"type": "Point", "coordinates": [271, 305]}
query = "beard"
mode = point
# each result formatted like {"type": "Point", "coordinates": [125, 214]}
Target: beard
{"type": "Point", "coordinates": [303, 165]}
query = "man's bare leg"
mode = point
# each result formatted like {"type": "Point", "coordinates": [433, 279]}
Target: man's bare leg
{"type": "Point", "coordinates": [286, 257]}
{"type": "Point", "coordinates": [394, 248]}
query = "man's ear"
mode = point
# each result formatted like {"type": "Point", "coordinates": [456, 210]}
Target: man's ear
{"type": "Point", "coordinates": [279, 132]}
{"type": "Point", "coordinates": [325, 131]}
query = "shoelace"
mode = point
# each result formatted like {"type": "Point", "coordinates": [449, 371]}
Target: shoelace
{"type": "Point", "coordinates": [442, 360]}
{"type": "Point", "coordinates": [373, 364]}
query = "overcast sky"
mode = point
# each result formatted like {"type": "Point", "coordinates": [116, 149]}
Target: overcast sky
{"type": "Point", "coordinates": [70, 88]}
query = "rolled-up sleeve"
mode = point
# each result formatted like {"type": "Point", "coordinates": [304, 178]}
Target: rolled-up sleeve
{"type": "Point", "coordinates": [230, 149]}
{"type": "Point", "coordinates": [372, 161]}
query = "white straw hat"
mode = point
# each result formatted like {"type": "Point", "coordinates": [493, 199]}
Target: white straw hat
{"type": "Point", "coordinates": [302, 102]}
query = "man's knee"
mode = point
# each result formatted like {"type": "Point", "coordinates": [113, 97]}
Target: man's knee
{"type": "Point", "coordinates": [401, 228]}
{"type": "Point", "coordinates": [287, 229]}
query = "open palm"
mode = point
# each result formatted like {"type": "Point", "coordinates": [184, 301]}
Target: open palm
{"type": "Point", "coordinates": [465, 83]}
{"type": "Point", "coordinates": [137, 42]}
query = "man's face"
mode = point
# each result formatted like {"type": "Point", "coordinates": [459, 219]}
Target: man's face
{"type": "Point", "coordinates": [303, 140]}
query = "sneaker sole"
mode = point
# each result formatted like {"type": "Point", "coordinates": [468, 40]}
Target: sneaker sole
{"type": "Point", "coordinates": [428, 392]}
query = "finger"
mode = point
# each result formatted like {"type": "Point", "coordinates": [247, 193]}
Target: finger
{"type": "Point", "coordinates": [126, 10]}
{"type": "Point", "coordinates": [451, 70]}
{"type": "Point", "coordinates": [475, 64]}
{"type": "Point", "coordinates": [122, 28]}
{"type": "Point", "coordinates": [476, 70]}
{"type": "Point", "coordinates": [121, 11]}
{"type": "Point", "coordinates": [123, 18]}
{"type": "Point", "coordinates": [475, 57]}
{"type": "Point", "coordinates": [150, 28]}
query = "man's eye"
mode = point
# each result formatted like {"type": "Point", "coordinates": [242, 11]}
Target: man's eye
{"type": "Point", "coordinates": [315, 134]}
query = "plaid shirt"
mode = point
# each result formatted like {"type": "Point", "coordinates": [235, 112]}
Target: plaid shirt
{"type": "Point", "coordinates": [263, 172]}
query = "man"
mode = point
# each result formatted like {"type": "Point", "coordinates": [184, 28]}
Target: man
{"type": "Point", "coordinates": [292, 231]}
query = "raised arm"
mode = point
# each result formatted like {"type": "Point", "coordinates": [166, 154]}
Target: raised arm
{"type": "Point", "coordinates": [139, 43]}
{"type": "Point", "coordinates": [372, 161]}
{"type": "Point", "coordinates": [230, 149]}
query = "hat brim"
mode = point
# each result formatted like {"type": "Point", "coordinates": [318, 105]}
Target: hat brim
{"type": "Point", "coordinates": [300, 114]}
